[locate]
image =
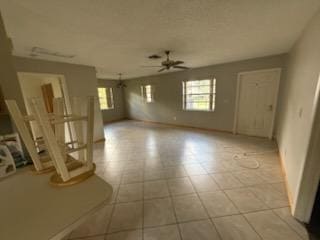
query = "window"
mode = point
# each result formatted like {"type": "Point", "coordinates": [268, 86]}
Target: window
{"type": "Point", "coordinates": [199, 94]}
{"type": "Point", "coordinates": [147, 93]}
{"type": "Point", "coordinates": [105, 98]}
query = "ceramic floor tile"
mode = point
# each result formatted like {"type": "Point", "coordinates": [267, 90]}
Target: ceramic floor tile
{"type": "Point", "coordinates": [168, 163]}
{"type": "Point", "coordinates": [134, 165]}
{"type": "Point", "coordinates": [130, 192]}
{"type": "Point", "coordinates": [237, 165]}
{"type": "Point", "coordinates": [92, 238]}
{"type": "Point", "coordinates": [126, 216]}
{"type": "Point", "coordinates": [137, 152]}
{"type": "Point", "coordinates": [269, 160]}
{"type": "Point", "coordinates": [154, 175]}
{"type": "Point", "coordinates": [280, 187]}
{"type": "Point", "coordinates": [249, 177]}
{"type": "Point", "coordinates": [214, 167]}
{"type": "Point", "coordinates": [218, 204]}
{"type": "Point", "coordinates": [114, 195]}
{"type": "Point", "coordinates": [194, 169]}
{"type": "Point", "coordinates": [158, 212]}
{"type": "Point", "coordinates": [189, 207]}
{"type": "Point", "coordinates": [203, 157]}
{"type": "Point", "coordinates": [271, 175]}
{"type": "Point", "coordinates": [226, 180]}
{"type": "Point", "coordinates": [270, 226]}
{"type": "Point", "coordinates": [175, 172]}
{"type": "Point", "coordinates": [285, 215]}
{"type": "Point", "coordinates": [200, 230]}
{"type": "Point", "coordinates": [270, 195]}
{"type": "Point", "coordinates": [235, 228]}
{"type": "Point", "coordinates": [66, 237]}
{"type": "Point", "coordinates": [169, 232]}
{"type": "Point", "coordinates": [126, 235]}
{"type": "Point", "coordinates": [156, 189]}
{"type": "Point", "coordinates": [245, 200]}
{"type": "Point", "coordinates": [132, 177]}
{"type": "Point", "coordinates": [95, 225]}
{"type": "Point", "coordinates": [180, 186]}
{"type": "Point", "coordinates": [204, 183]}
{"type": "Point", "coordinates": [111, 176]}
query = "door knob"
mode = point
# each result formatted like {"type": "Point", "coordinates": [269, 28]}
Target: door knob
{"type": "Point", "coordinates": [270, 107]}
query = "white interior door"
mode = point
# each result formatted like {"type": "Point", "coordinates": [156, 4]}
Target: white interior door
{"type": "Point", "coordinates": [257, 98]}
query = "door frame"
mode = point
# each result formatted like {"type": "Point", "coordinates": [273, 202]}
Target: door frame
{"type": "Point", "coordinates": [310, 173]}
{"type": "Point", "coordinates": [63, 85]}
{"type": "Point", "coordinates": [275, 100]}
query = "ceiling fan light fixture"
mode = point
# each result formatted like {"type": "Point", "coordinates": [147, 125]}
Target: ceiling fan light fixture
{"type": "Point", "coordinates": [121, 84]}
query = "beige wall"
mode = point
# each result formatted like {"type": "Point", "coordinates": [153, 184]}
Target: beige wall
{"type": "Point", "coordinates": [295, 113]}
{"type": "Point", "coordinates": [168, 94]}
{"type": "Point", "coordinates": [81, 81]}
{"type": "Point", "coordinates": [8, 78]}
{"type": "Point", "coordinates": [118, 112]}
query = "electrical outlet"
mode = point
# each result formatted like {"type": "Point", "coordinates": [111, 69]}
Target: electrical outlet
{"type": "Point", "coordinates": [175, 118]}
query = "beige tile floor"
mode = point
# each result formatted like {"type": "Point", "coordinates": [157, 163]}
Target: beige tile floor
{"type": "Point", "coordinates": [186, 184]}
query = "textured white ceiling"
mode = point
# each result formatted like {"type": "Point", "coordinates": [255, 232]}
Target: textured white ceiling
{"type": "Point", "coordinates": [117, 36]}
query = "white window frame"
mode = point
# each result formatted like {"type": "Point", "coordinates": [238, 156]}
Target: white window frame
{"type": "Point", "coordinates": [147, 93]}
{"type": "Point", "coordinates": [108, 98]}
{"type": "Point", "coordinates": [211, 93]}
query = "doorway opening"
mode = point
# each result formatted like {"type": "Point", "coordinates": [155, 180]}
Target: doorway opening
{"type": "Point", "coordinates": [47, 87]}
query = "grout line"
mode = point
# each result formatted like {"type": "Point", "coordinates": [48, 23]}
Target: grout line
{"type": "Point", "coordinates": [171, 196]}
{"type": "Point", "coordinates": [245, 218]}
{"type": "Point", "coordinates": [273, 210]}
{"type": "Point", "coordinates": [114, 201]}
{"type": "Point", "coordinates": [203, 206]}
{"type": "Point", "coordinates": [242, 214]}
{"type": "Point", "coordinates": [143, 207]}
{"type": "Point", "coordinates": [111, 216]}
{"type": "Point", "coordinates": [174, 210]}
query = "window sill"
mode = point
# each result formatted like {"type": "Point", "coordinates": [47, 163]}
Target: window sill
{"type": "Point", "coordinates": [195, 110]}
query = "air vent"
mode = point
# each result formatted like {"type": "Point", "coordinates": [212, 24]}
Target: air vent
{"type": "Point", "coordinates": [37, 51]}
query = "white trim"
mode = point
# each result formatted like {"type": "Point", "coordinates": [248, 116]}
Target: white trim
{"type": "Point", "coordinates": [212, 95]}
{"type": "Point", "coordinates": [236, 112]}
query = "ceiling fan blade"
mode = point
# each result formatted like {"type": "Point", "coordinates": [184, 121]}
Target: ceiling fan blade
{"type": "Point", "coordinates": [177, 63]}
{"type": "Point", "coordinates": [181, 67]}
{"type": "Point", "coordinates": [151, 66]}
{"type": "Point", "coordinates": [162, 69]}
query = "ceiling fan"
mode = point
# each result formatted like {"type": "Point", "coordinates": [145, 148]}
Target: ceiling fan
{"type": "Point", "coordinates": [168, 63]}
{"type": "Point", "coordinates": [121, 84]}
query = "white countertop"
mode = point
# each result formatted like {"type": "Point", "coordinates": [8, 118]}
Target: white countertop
{"type": "Point", "coordinates": [31, 209]}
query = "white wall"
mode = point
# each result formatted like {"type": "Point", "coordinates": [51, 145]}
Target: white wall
{"type": "Point", "coordinates": [295, 115]}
